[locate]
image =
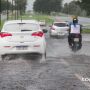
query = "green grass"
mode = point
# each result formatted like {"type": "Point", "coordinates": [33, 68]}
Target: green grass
{"type": "Point", "coordinates": [1, 25]}
{"type": "Point", "coordinates": [38, 17]}
{"type": "Point", "coordinates": [87, 31]}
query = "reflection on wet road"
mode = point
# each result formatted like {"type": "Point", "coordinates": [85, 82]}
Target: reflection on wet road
{"type": "Point", "coordinates": [63, 69]}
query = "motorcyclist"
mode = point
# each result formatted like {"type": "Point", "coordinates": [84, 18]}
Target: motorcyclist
{"type": "Point", "coordinates": [75, 29]}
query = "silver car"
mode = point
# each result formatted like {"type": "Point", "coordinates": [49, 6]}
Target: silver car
{"type": "Point", "coordinates": [59, 29]}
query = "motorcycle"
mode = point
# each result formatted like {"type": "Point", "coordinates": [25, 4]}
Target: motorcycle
{"type": "Point", "coordinates": [76, 45]}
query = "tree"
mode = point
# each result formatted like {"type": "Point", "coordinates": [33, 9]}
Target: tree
{"type": "Point", "coordinates": [47, 6]}
{"type": "Point", "coordinates": [20, 5]}
{"type": "Point", "coordinates": [73, 8]}
{"type": "Point", "coordinates": [4, 4]}
{"type": "Point", "coordinates": [65, 8]}
{"type": "Point", "coordinates": [85, 4]}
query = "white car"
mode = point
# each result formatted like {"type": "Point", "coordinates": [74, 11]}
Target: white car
{"type": "Point", "coordinates": [24, 36]}
{"type": "Point", "coordinates": [59, 29]}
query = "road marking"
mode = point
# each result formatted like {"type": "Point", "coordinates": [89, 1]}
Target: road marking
{"type": "Point", "coordinates": [87, 84]}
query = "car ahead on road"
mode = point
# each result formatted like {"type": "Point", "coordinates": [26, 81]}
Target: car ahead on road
{"type": "Point", "coordinates": [22, 36]}
{"type": "Point", "coordinates": [59, 29]}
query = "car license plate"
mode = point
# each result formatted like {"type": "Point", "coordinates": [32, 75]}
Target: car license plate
{"type": "Point", "coordinates": [76, 39]}
{"type": "Point", "coordinates": [21, 47]}
{"type": "Point", "coordinates": [60, 33]}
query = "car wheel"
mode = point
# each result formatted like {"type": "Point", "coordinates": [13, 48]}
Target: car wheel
{"type": "Point", "coordinates": [43, 58]}
{"type": "Point", "coordinates": [3, 57]}
{"type": "Point", "coordinates": [6, 57]}
{"type": "Point", "coordinates": [45, 55]}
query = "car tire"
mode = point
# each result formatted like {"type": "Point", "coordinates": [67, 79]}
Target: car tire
{"type": "Point", "coordinates": [3, 57]}
{"type": "Point", "coordinates": [6, 57]}
{"type": "Point", "coordinates": [43, 58]}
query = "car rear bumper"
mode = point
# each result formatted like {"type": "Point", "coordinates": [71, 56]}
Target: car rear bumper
{"type": "Point", "coordinates": [22, 48]}
{"type": "Point", "coordinates": [59, 33]}
{"type": "Point", "coordinates": [21, 51]}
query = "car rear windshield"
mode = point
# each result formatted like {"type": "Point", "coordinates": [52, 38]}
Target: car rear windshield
{"type": "Point", "coordinates": [60, 24]}
{"type": "Point", "coordinates": [19, 27]}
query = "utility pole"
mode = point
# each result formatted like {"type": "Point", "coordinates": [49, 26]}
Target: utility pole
{"type": "Point", "coordinates": [12, 8]}
{"type": "Point", "coordinates": [0, 12]}
{"type": "Point", "coordinates": [7, 11]}
{"type": "Point", "coordinates": [17, 10]}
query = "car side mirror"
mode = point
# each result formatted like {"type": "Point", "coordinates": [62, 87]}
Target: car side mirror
{"type": "Point", "coordinates": [44, 31]}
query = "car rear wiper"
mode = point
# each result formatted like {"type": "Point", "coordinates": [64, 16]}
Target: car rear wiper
{"type": "Point", "coordinates": [21, 23]}
{"type": "Point", "coordinates": [25, 30]}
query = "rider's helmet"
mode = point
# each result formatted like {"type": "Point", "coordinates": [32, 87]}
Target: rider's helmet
{"type": "Point", "coordinates": [75, 19]}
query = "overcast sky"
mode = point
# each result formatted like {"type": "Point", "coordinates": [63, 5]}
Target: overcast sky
{"type": "Point", "coordinates": [30, 3]}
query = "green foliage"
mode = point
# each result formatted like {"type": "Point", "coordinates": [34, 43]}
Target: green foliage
{"type": "Point", "coordinates": [20, 5]}
{"type": "Point", "coordinates": [74, 8]}
{"type": "Point", "coordinates": [1, 25]}
{"type": "Point", "coordinates": [47, 6]}
{"type": "Point", "coordinates": [38, 17]}
{"type": "Point", "coordinates": [85, 4]}
{"type": "Point", "coordinates": [86, 31]}
{"type": "Point", "coordinates": [4, 5]}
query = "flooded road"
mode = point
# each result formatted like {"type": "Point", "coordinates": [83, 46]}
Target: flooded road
{"type": "Point", "coordinates": [63, 69]}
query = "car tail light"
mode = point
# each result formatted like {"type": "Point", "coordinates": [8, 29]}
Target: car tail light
{"type": "Point", "coordinates": [40, 34]}
{"type": "Point", "coordinates": [3, 34]}
{"type": "Point", "coordinates": [7, 46]}
{"type": "Point", "coordinates": [36, 45]}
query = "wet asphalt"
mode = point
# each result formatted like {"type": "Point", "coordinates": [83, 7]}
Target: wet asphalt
{"type": "Point", "coordinates": [63, 69]}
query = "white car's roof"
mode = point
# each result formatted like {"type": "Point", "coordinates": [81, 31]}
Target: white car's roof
{"type": "Point", "coordinates": [21, 21]}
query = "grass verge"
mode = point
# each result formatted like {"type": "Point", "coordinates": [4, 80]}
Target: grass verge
{"type": "Point", "coordinates": [1, 25]}
{"type": "Point", "coordinates": [38, 17]}
{"type": "Point", "coordinates": [87, 31]}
